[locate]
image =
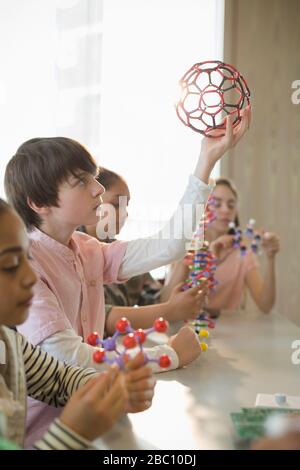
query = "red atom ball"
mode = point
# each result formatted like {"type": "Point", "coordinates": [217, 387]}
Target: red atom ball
{"type": "Point", "coordinates": [164, 361]}
{"type": "Point", "coordinates": [99, 356]}
{"type": "Point", "coordinates": [122, 325]}
{"type": "Point", "coordinates": [92, 338]}
{"type": "Point", "coordinates": [129, 341]}
{"type": "Point", "coordinates": [160, 325]}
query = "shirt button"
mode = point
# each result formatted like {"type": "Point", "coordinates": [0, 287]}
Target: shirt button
{"type": "Point", "coordinates": [93, 283]}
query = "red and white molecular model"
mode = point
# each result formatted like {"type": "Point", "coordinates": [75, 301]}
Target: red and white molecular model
{"type": "Point", "coordinates": [132, 339]}
{"type": "Point", "coordinates": [210, 91]}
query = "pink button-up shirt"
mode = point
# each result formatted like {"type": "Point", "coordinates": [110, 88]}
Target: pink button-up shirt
{"type": "Point", "coordinates": [69, 293]}
{"type": "Point", "coordinates": [231, 275]}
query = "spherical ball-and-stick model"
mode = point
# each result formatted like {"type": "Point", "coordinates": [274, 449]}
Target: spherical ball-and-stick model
{"type": "Point", "coordinates": [210, 91]}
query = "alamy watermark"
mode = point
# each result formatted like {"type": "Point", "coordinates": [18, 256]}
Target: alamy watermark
{"type": "Point", "coordinates": [295, 97]}
{"type": "Point", "coordinates": [181, 226]}
{"type": "Point", "coordinates": [295, 357]}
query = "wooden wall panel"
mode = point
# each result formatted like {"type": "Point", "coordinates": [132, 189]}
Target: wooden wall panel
{"type": "Point", "coordinates": [262, 39]}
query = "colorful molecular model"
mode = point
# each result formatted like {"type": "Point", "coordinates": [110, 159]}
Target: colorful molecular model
{"type": "Point", "coordinates": [210, 89]}
{"type": "Point", "coordinates": [202, 321]}
{"type": "Point", "coordinates": [249, 233]}
{"type": "Point", "coordinates": [201, 262]}
{"type": "Point", "coordinates": [202, 266]}
{"type": "Point", "coordinates": [133, 338]}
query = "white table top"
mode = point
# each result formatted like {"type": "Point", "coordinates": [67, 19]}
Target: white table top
{"type": "Point", "coordinates": [248, 354]}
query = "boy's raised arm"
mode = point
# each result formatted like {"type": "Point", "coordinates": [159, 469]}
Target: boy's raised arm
{"type": "Point", "coordinates": [169, 244]}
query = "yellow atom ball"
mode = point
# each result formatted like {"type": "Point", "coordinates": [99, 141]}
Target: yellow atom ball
{"type": "Point", "coordinates": [203, 346]}
{"type": "Point", "coordinates": [204, 334]}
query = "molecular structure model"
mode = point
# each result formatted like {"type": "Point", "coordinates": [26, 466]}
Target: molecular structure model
{"type": "Point", "coordinates": [249, 233]}
{"type": "Point", "coordinates": [133, 338]}
{"type": "Point", "coordinates": [210, 90]}
{"type": "Point", "coordinates": [201, 261]}
{"type": "Point", "coordinates": [202, 321]}
{"type": "Point", "coordinates": [202, 265]}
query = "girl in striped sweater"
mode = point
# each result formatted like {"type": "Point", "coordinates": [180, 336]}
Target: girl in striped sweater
{"type": "Point", "coordinates": [97, 400]}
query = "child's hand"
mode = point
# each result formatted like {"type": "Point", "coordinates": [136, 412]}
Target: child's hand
{"type": "Point", "coordinates": [221, 245]}
{"type": "Point", "coordinates": [186, 345]}
{"type": "Point", "coordinates": [95, 407]}
{"type": "Point", "coordinates": [185, 305]}
{"type": "Point", "coordinates": [140, 383]}
{"type": "Point", "coordinates": [270, 244]}
{"type": "Point", "coordinates": [214, 148]}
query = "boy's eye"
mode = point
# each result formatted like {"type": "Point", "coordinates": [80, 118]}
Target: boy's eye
{"type": "Point", "coordinates": [82, 182]}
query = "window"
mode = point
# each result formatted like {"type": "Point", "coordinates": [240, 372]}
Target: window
{"type": "Point", "coordinates": [147, 47]}
{"type": "Point", "coordinates": [106, 72]}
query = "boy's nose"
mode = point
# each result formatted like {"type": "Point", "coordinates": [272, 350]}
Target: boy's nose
{"type": "Point", "coordinates": [99, 189]}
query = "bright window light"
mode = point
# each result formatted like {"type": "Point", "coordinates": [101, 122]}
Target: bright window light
{"type": "Point", "coordinates": [147, 47]}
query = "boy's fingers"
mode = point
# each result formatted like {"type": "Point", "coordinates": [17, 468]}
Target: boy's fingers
{"type": "Point", "coordinates": [249, 115]}
{"type": "Point", "coordinates": [229, 129]}
{"type": "Point", "coordinates": [198, 290]}
{"type": "Point", "coordinates": [245, 121]}
{"type": "Point", "coordinates": [244, 125]}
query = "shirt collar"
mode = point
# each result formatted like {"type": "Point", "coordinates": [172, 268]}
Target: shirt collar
{"type": "Point", "coordinates": [67, 252]}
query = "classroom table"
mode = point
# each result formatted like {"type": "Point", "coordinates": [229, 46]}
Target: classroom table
{"type": "Point", "coordinates": [248, 353]}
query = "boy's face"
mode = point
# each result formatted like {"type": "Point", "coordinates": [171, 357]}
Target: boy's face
{"type": "Point", "coordinates": [78, 199]}
{"type": "Point", "coordinates": [16, 276]}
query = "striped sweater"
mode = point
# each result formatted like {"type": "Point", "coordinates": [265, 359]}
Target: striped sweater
{"type": "Point", "coordinates": [29, 370]}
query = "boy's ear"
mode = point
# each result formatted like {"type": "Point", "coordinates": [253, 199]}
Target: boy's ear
{"type": "Point", "coordinates": [42, 210]}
